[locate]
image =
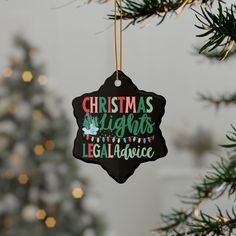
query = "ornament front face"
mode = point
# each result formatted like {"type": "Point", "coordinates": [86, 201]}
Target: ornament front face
{"type": "Point", "coordinates": [119, 127]}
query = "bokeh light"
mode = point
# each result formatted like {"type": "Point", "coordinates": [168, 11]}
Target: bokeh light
{"type": "Point", "coordinates": [37, 115]}
{"type": "Point", "coordinates": [77, 193]}
{"type": "Point", "coordinates": [7, 72]}
{"type": "Point", "coordinates": [50, 222]}
{"type": "Point", "coordinates": [23, 179]}
{"type": "Point", "coordinates": [39, 149]}
{"type": "Point", "coordinates": [27, 76]}
{"type": "Point", "coordinates": [50, 145]}
{"type": "Point", "coordinates": [42, 80]}
{"type": "Point", "coordinates": [41, 214]}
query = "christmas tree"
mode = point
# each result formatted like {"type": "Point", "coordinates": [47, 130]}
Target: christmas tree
{"type": "Point", "coordinates": [193, 219]}
{"type": "Point", "coordinates": [218, 24]}
{"type": "Point", "coordinates": [90, 125]}
{"type": "Point", "coordinates": [41, 190]}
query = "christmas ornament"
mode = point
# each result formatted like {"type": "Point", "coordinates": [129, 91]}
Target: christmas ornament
{"type": "Point", "coordinates": [119, 127]}
{"type": "Point", "coordinates": [119, 124]}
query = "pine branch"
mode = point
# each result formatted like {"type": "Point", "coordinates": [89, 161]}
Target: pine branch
{"type": "Point", "coordinates": [181, 223]}
{"type": "Point", "coordinates": [175, 221]}
{"type": "Point", "coordinates": [216, 182]}
{"type": "Point", "coordinates": [140, 11]}
{"type": "Point", "coordinates": [217, 225]}
{"type": "Point", "coordinates": [215, 55]}
{"type": "Point", "coordinates": [220, 100]}
{"type": "Point", "coordinates": [220, 29]}
{"type": "Point", "coordinates": [222, 177]}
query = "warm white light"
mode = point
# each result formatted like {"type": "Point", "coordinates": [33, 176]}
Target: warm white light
{"type": "Point", "coordinates": [43, 80]}
{"type": "Point", "coordinates": [12, 108]}
{"type": "Point", "coordinates": [50, 222]}
{"type": "Point", "coordinates": [41, 214]}
{"type": "Point", "coordinates": [27, 76]}
{"type": "Point", "coordinates": [50, 145]}
{"type": "Point", "coordinates": [39, 149]}
{"type": "Point", "coordinates": [77, 193]}
{"type": "Point", "coordinates": [196, 213]}
{"type": "Point", "coordinates": [7, 72]}
{"type": "Point", "coordinates": [37, 115]}
{"type": "Point", "coordinates": [23, 179]}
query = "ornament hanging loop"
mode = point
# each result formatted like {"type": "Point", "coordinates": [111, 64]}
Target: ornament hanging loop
{"type": "Point", "coordinates": [115, 38]}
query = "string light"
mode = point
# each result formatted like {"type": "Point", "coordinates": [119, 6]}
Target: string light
{"type": "Point", "coordinates": [27, 76]}
{"type": "Point", "coordinates": [8, 223]}
{"type": "Point", "coordinates": [41, 214]}
{"type": "Point", "coordinates": [50, 222]}
{"type": "Point", "coordinates": [7, 72]}
{"type": "Point", "coordinates": [125, 140]}
{"type": "Point", "coordinates": [39, 149]}
{"type": "Point", "coordinates": [37, 115]}
{"type": "Point", "coordinates": [12, 108]}
{"type": "Point", "coordinates": [23, 179]}
{"type": "Point", "coordinates": [77, 193]}
{"type": "Point", "coordinates": [196, 213]}
{"type": "Point", "coordinates": [42, 80]}
{"type": "Point", "coordinates": [50, 145]}
{"type": "Point", "coordinates": [221, 219]}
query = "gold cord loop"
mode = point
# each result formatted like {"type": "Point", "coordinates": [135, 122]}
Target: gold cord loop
{"type": "Point", "coordinates": [115, 37]}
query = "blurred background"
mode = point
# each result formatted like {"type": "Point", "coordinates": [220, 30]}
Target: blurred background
{"type": "Point", "coordinates": [49, 53]}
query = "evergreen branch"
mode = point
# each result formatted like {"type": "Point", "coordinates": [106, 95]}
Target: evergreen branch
{"type": "Point", "coordinates": [176, 219]}
{"type": "Point", "coordinates": [222, 177]}
{"type": "Point", "coordinates": [140, 11]}
{"type": "Point", "coordinates": [209, 225]}
{"type": "Point", "coordinates": [220, 100]}
{"type": "Point", "coordinates": [175, 222]}
{"type": "Point", "coordinates": [231, 136]}
{"type": "Point", "coordinates": [216, 182]}
{"type": "Point", "coordinates": [219, 179]}
{"type": "Point", "coordinates": [182, 223]}
{"type": "Point", "coordinates": [214, 55]}
{"type": "Point", "coordinates": [220, 29]}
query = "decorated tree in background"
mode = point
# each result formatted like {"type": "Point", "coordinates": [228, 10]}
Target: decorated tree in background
{"type": "Point", "coordinates": [41, 189]}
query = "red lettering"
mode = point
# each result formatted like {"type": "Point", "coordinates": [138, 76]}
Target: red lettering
{"type": "Point", "coordinates": [90, 150]}
{"type": "Point", "coordinates": [121, 100]}
{"type": "Point", "coordinates": [84, 104]}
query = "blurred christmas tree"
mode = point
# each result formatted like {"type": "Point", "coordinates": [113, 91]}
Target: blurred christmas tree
{"type": "Point", "coordinates": [41, 190]}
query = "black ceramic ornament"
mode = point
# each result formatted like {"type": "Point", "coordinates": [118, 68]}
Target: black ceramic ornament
{"type": "Point", "coordinates": [119, 127]}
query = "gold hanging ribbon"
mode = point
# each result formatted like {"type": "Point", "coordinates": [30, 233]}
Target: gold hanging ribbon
{"type": "Point", "coordinates": [115, 36]}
